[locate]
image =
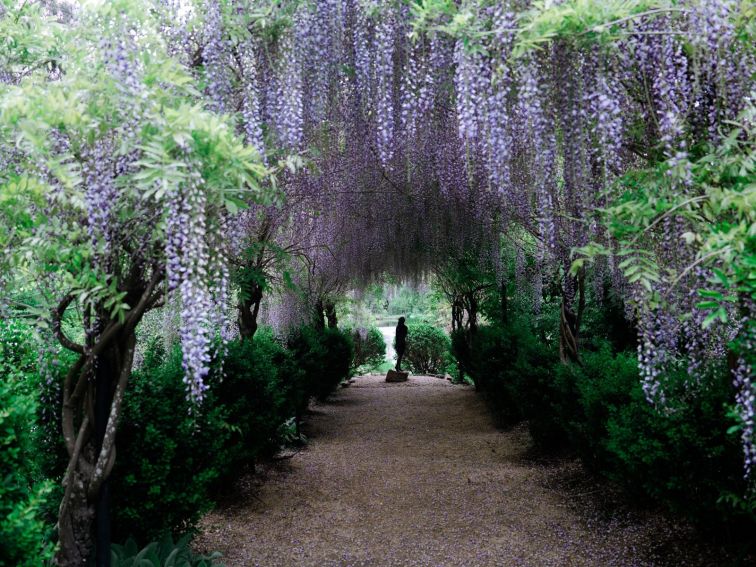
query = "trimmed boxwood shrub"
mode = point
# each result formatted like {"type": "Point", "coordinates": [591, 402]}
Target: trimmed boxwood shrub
{"type": "Point", "coordinates": [172, 456]}
{"type": "Point", "coordinates": [428, 349]}
{"type": "Point", "coordinates": [325, 358]}
{"type": "Point", "coordinates": [681, 456]}
{"type": "Point", "coordinates": [170, 453]}
{"type": "Point", "coordinates": [369, 349]}
{"type": "Point", "coordinates": [254, 386]}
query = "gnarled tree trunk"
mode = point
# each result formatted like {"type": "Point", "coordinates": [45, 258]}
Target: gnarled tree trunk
{"type": "Point", "coordinates": [569, 321]}
{"type": "Point", "coordinates": [318, 316]}
{"type": "Point", "coordinates": [93, 454]}
{"type": "Point", "coordinates": [249, 309]}
{"type": "Point", "coordinates": [93, 393]}
{"type": "Point", "coordinates": [330, 313]}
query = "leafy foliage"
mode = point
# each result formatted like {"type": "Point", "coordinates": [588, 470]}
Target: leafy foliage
{"type": "Point", "coordinates": [170, 454]}
{"type": "Point", "coordinates": [720, 216]}
{"type": "Point", "coordinates": [255, 389]}
{"type": "Point", "coordinates": [428, 349]}
{"type": "Point", "coordinates": [23, 529]}
{"type": "Point", "coordinates": [163, 553]}
{"type": "Point", "coordinates": [325, 358]}
{"type": "Point", "coordinates": [369, 349]}
{"type": "Point", "coordinates": [23, 496]}
{"type": "Point", "coordinates": [682, 458]}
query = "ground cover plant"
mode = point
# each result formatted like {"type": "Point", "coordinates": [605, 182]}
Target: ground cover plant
{"type": "Point", "coordinates": [575, 179]}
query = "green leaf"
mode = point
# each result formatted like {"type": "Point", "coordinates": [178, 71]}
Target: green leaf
{"type": "Point", "coordinates": [733, 429]}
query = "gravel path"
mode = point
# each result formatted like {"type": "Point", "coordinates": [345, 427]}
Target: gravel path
{"type": "Point", "coordinates": [416, 474]}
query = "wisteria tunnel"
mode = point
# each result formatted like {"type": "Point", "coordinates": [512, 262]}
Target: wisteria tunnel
{"type": "Point", "coordinates": [211, 210]}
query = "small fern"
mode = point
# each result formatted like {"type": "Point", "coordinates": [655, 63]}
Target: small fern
{"type": "Point", "coordinates": [163, 553]}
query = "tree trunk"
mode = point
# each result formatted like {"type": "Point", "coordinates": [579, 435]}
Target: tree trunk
{"type": "Point", "coordinates": [569, 322]}
{"type": "Point", "coordinates": [318, 320]}
{"type": "Point", "coordinates": [104, 372]}
{"type": "Point", "coordinates": [457, 313]}
{"type": "Point", "coordinates": [504, 302]}
{"type": "Point", "coordinates": [249, 309]}
{"type": "Point", "coordinates": [330, 313]}
{"type": "Point", "coordinates": [92, 453]}
{"type": "Point", "coordinates": [75, 521]}
{"type": "Point", "coordinates": [472, 313]}
{"type": "Point", "coordinates": [90, 413]}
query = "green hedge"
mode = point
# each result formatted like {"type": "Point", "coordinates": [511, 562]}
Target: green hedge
{"type": "Point", "coordinates": [170, 454]}
{"type": "Point", "coordinates": [369, 349]}
{"type": "Point", "coordinates": [24, 496]}
{"type": "Point", "coordinates": [681, 457]}
{"type": "Point", "coordinates": [428, 349]}
{"type": "Point", "coordinates": [325, 358]}
{"type": "Point", "coordinates": [255, 387]}
{"type": "Point", "coordinates": [173, 457]}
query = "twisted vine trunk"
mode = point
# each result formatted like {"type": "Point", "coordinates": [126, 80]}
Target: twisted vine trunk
{"type": "Point", "coordinates": [249, 309]}
{"type": "Point", "coordinates": [86, 495]}
{"type": "Point", "coordinates": [330, 313]}
{"type": "Point", "coordinates": [318, 316]}
{"type": "Point", "coordinates": [569, 321]}
{"type": "Point", "coordinates": [93, 393]}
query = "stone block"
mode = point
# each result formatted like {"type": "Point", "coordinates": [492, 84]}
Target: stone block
{"type": "Point", "coordinates": [396, 376]}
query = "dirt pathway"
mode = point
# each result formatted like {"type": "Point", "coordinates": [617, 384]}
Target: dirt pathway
{"type": "Point", "coordinates": [416, 474]}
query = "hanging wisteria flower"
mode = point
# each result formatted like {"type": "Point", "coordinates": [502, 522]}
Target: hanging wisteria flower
{"type": "Point", "coordinates": [290, 116]}
{"type": "Point", "coordinates": [101, 192]}
{"type": "Point", "coordinates": [745, 398]}
{"type": "Point", "coordinates": [196, 300]}
{"type": "Point", "coordinates": [251, 106]}
{"type": "Point", "coordinates": [215, 56]}
{"type": "Point", "coordinates": [384, 76]}
{"type": "Point", "coordinates": [673, 91]}
{"type": "Point", "coordinates": [408, 95]}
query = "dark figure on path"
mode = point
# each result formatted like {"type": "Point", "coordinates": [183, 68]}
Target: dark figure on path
{"type": "Point", "coordinates": [401, 342]}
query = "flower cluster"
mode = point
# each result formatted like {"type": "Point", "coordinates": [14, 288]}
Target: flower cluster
{"type": "Point", "coordinates": [384, 73]}
{"type": "Point", "coordinates": [745, 398]}
{"type": "Point", "coordinates": [290, 117]}
{"type": "Point", "coordinates": [251, 108]}
{"type": "Point", "coordinates": [215, 57]}
{"type": "Point", "coordinates": [188, 269]}
{"type": "Point", "coordinates": [101, 193]}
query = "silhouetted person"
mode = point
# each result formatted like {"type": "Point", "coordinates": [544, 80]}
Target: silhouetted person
{"type": "Point", "coordinates": [401, 342]}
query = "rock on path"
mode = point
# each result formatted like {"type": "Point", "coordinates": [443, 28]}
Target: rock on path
{"type": "Point", "coordinates": [416, 474]}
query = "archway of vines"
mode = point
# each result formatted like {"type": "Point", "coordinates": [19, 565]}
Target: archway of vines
{"type": "Point", "coordinates": [204, 156]}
